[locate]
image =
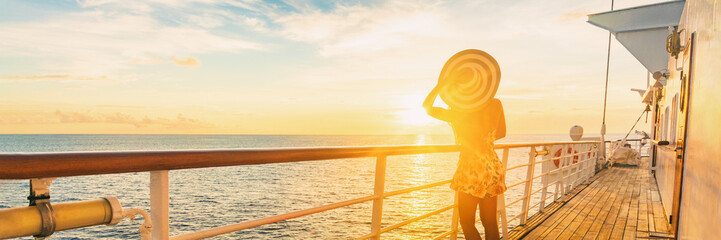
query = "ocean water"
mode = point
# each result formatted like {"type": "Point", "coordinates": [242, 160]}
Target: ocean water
{"type": "Point", "coordinates": [212, 197]}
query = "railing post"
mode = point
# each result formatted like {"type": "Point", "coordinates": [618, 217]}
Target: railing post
{"type": "Point", "coordinates": [556, 175]}
{"type": "Point", "coordinates": [582, 160]}
{"type": "Point", "coordinates": [502, 200]}
{"type": "Point", "coordinates": [378, 191]}
{"type": "Point", "coordinates": [529, 183]}
{"type": "Point", "coordinates": [454, 220]}
{"type": "Point", "coordinates": [583, 157]}
{"type": "Point", "coordinates": [589, 148]}
{"type": "Point", "coordinates": [575, 167]}
{"type": "Point", "coordinates": [562, 168]}
{"type": "Point", "coordinates": [598, 155]}
{"type": "Point", "coordinates": [159, 201]}
{"type": "Point", "coordinates": [544, 180]}
{"type": "Point", "coordinates": [571, 175]}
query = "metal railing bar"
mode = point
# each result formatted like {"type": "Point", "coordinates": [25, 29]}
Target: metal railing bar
{"type": "Point", "coordinates": [517, 166]}
{"type": "Point", "coordinates": [544, 174]}
{"type": "Point", "coordinates": [407, 190]}
{"type": "Point", "coordinates": [538, 190]}
{"type": "Point", "coordinates": [514, 218]}
{"type": "Point", "coordinates": [534, 192]}
{"type": "Point", "coordinates": [65, 164]}
{"type": "Point", "coordinates": [458, 230]}
{"type": "Point", "coordinates": [444, 235]}
{"type": "Point", "coordinates": [71, 164]}
{"type": "Point", "coordinates": [406, 222]}
{"type": "Point", "coordinates": [558, 158]}
{"type": "Point", "coordinates": [516, 184]}
{"type": "Point", "coordinates": [258, 222]}
{"type": "Point", "coordinates": [535, 205]}
{"type": "Point", "coordinates": [517, 200]}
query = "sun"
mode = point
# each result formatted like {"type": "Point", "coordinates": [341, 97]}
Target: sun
{"type": "Point", "coordinates": [412, 113]}
{"type": "Point", "coordinates": [415, 116]}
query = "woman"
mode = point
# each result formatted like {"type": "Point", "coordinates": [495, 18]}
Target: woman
{"type": "Point", "coordinates": [480, 177]}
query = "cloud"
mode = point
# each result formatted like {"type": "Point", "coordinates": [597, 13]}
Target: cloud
{"type": "Point", "coordinates": [101, 42]}
{"type": "Point", "coordinates": [361, 29]}
{"type": "Point", "coordinates": [146, 60]}
{"type": "Point", "coordinates": [123, 118]}
{"type": "Point", "coordinates": [120, 106]}
{"type": "Point", "coordinates": [73, 117]}
{"type": "Point", "coordinates": [52, 77]}
{"type": "Point", "coordinates": [189, 62]}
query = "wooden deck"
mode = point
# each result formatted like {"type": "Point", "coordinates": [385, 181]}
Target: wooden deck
{"type": "Point", "coordinates": [619, 203]}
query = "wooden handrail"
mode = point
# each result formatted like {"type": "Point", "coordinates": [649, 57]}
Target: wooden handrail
{"type": "Point", "coordinates": [65, 164]}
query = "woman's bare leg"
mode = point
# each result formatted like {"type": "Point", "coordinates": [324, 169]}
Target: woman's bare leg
{"type": "Point", "coordinates": [488, 217]}
{"type": "Point", "coordinates": [467, 213]}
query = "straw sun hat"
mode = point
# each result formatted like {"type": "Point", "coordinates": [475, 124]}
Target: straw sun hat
{"type": "Point", "coordinates": [474, 77]}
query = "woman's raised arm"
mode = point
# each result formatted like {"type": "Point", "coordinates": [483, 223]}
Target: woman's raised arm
{"type": "Point", "coordinates": [436, 112]}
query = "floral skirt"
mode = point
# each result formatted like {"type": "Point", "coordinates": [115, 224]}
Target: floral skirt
{"type": "Point", "coordinates": [480, 174]}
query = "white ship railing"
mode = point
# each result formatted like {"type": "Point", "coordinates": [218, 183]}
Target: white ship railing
{"type": "Point", "coordinates": [576, 165]}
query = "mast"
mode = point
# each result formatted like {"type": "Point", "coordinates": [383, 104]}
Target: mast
{"type": "Point", "coordinates": [605, 95]}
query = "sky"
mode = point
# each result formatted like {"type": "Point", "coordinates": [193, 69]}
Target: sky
{"type": "Point", "coordinates": [300, 67]}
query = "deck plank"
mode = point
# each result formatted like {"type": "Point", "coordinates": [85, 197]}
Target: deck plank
{"type": "Point", "coordinates": [622, 218]}
{"type": "Point", "coordinates": [614, 210]}
{"type": "Point", "coordinates": [642, 223]}
{"type": "Point", "coordinates": [619, 203]}
{"type": "Point", "coordinates": [596, 210]}
{"type": "Point", "coordinates": [597, 223]}
{"type": "Point", "coordinates": [585, 213]}
{"type": "Point", "coordinates": [559, 217]}
{"type": "Point", "coordinates": [632, 220]}
{"type": "Point", "coordinates": [550, 210]}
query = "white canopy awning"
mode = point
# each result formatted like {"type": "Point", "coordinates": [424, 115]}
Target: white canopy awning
{"type": "Point", "coordinates": [643, 30]}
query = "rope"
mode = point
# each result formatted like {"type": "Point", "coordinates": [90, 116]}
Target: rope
{"type": "Point", "coordinates": [623, 141]}
{"type": "Point", "coordinates": [634, 125]}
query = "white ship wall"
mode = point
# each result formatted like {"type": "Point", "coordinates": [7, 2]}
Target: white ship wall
{"type": "Point", "coordinates": [665, 170]}
{"type": "Point", "coordinates": [700, 216]}
{"type": "Point", "coordinates": [666, 129]}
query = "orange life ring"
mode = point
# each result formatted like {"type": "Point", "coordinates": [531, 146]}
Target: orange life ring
{"type": "Point", "coordinates": [575, 156]}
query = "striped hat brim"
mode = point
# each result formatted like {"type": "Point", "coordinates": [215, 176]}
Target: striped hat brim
{"type": "Point", "coordinates": [473, 77]}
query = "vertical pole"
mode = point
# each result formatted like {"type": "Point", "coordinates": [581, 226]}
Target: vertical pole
{"type": "Point", "coordinates": [573, 175]}
{"type": "Point", "coordinates": [529, 184]}
{"type": "Point", "coordinates": [159, 201]}
{"type": "Point", "coordinates": [502, 200]}
{"type": "Point", "coordinates": [589, 155]}
{"type": "Point", "coordinates": [454, 220]}
{"type": "Point", "coordinates": [598, 154]}
{"type": "Point", "coordinates": [562, 169]}
{"type": "Point", "coordinates": [557, 174]}
{"type": "Point", "coordinates": [589, 149]}
{"type": "Point", "coordinates": [581, 164]}
{"type": "Point", "coordinates": [584, 156]}
{"type": "Point", "coordinates": [378, 191]}
{"type": "Point", "coordinates": [605, 91]}
{"type": "Point", "coordinates": [544, 180]}
{"type": "Point", "coordinates": [569, 162]}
